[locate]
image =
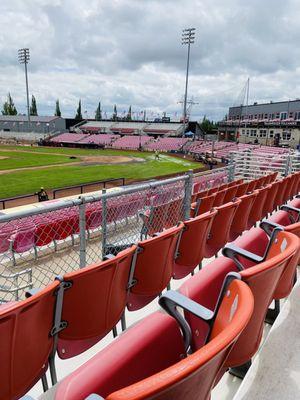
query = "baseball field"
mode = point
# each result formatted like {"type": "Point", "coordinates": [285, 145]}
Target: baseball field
{"type": "Point", "coordinates": [24, 169]}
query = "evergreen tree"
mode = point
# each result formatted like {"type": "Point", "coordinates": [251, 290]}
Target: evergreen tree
{"type": "Point", "coordinates": [33, 108]}
{"type": "Point", "coordinates": [128, 117]}
{"type": "Point", "coordinates": [208, 126]}
{"type": "Point", "coordinates": [98, 114]}
{"type": "Point", "coordinates": [57, 109]}
{"type": "Point", "coordinates": [115, 113]}
{"type": "Point", "coordinates": [9, 107]}
{"type": "Point", "coordinates": [78, 112]}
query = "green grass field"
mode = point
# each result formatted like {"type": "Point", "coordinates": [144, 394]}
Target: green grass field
{"type": "Point", "coordinates": [29, 181]}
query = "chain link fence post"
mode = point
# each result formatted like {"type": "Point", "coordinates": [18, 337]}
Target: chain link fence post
{"type": "Point", "coordinates": [231, 168]}
{"type": "Point", "coordinates": [104, 223]}
{"type": "Point", "coordinates": [188, 195]}
{"type": "Point", "coordinates": [287, 169]}
{"type": "Point", "coordinates": [82, 235]}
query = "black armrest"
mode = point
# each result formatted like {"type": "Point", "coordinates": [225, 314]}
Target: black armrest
{"type": "Point", "coordinates": [170, 300]}
{"type": "Point", "coordinates": [30, 293]}
{"type": "Point", "coordinates": [289, 209]}
{"type": "Point", "coordinates": [232, 251]}
{"type": "Point", "coordinates": [269, 226]}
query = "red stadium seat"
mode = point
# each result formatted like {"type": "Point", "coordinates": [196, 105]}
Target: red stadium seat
{"type": "Point", "coordinates": [26, 343]}
{"type": "Point", "coordinates": [220, 229]}
{"type": "Point", "coordinates": [270, 199]}
{"type": "Point", "coordinates": [242, 189]}
{"type": "Point", "coordinates": [152, 353]}
{"type": "Point", "coordinates": [154, 267]}
{"type": "Point", "coordinates": [251, 185]}
{"type": "Point", "coordinates": [213, 190]}
{"type": "Point", "coordinates": [256, 212]}
{"type": "Point", "coordinates": [240, 219]}
{"type": "Point", "coordinates": [262, 278]}
{"type": "Point", "coordinates": [93, 302]}
{"type": "Point", "coordinates": [219, 199]}
{"type": "Point", "coordinates": [230, 194]}
{"type": "Point", "coordinates": [202, 205]}
{"type": "Point", "coordinates": [192, 244]}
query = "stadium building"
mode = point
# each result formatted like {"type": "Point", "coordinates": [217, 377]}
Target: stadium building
{"type": "Point", "coordinates": [274, 123]}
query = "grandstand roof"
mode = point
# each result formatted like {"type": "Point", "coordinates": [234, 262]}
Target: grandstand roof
{"type": "Point", "coordinates": [24, 118]}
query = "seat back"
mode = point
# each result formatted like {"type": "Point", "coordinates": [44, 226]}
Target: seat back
{"type": "Point", "coordinates": [242, 189]}
{"type": "Point", "coordinates": [219, 199]}
{"type": "Point", "coordinates": [206, 204]}
{"type": "Point", "coordinates": [270, 198]}
{"type": "Point", "coordinates": [157, 218]}
{"type": "Point", "coordinates": [192, 244]}
{"type": "Point", "coordinates": [230, 194]}
{"type": "Point", "coordinates": [263, 280]}
{"type": "Point", "coordinates": [220, 228]}
{"type": "Point", "coordinates": [251, 185]}
{"type": "Point", "coordinates": [24, 238]}
{"type": "Point", "coordinates": [257, 207]}
{"type": "Point", "coordinates": [94, 303]}
{"type": "Point", "coordinates": [240, 219]}
{"type": "Point", "coordinates": [45, 231]}
{"type": "Point", "coordinates": [213, 190]}
{"type": "Point", "coordinates": [154, 267]}
{"type": "Point", "coordinates": [26, 342]}
{"type": "Point", "coordinates": [279, 198]}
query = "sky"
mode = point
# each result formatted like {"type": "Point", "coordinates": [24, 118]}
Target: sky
{"type": "Point", "coordinates": [129, 52]}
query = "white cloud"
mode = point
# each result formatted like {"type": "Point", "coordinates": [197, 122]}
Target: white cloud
{"type": "Point", "coordinates": [129, 52]}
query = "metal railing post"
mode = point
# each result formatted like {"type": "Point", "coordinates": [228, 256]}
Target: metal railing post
{"type": "Point", "coordinates": [82, 235]}
{"type": "Point", "coordinates": [104, 223]}
{"type": "Point", "coordinates": [188, 195]}
{"type": "Point", "coordinates": [287, 166]}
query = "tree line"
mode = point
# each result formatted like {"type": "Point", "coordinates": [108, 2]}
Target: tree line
{"type": "Point", "coordinates": [9, 108]}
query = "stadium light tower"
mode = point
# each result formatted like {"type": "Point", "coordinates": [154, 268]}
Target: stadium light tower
{"type": "Point", "coordinates": [24, 57]}
{"type": "Point", "coordinates": [188, 37]}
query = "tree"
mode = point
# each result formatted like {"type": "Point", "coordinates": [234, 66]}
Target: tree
{"type": "Point", "coordinates": [78, 112]}
{"type": "Point", "coordinates": [9, 106]}
{"type": "Point", "coordinates": [115, 113]}
{"type": "Point", "coordinates": [33, 108]}
{"type": "Point", "coordinates": [98, 114]}
{"type": "Point", "coordinates": [208, 126]}
{"type": "Point", "coordinates": [57, 109]}
{"type": "Point", "coordinates": [128, 116]}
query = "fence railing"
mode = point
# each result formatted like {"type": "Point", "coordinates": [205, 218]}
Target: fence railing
{"type": "Point", "coordinates": [97, 185]}
{"type": "Point", "coordinates": [37, 244]}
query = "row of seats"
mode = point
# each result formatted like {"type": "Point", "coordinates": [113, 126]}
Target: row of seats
{"type": "Point", "coordinates": [224, 305]}
{"type": "Point", "coordinates": [57, 320]}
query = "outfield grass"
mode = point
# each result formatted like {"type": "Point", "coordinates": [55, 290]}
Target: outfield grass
{"type": "Point", "coordinates": [21, 160]}
{"type": "Point", "coordinates": [29, 181]}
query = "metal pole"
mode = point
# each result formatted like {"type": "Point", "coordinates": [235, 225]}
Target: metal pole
{"type": "Point", "coordinates": [186, 87]}
{"type": "Point", "coordinates": [104, 223]}
{"type": "Point", "coordinates": [27, 94]}
{"type": "Point", "coordinates": [82, 235]}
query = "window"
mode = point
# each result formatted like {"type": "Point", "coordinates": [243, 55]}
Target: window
{"type": "Point", "coordinates": [283, 115]}
{"type": "Point", "coordinates": [243, 131]}
{"type": "Point", "coordinates": [271, 134]}
{"type": "Point", "coordinates": [272, 116]}
{"type": "Point", "coordinates": [263, 133]}
{"type": "Point", "coordinates": [286, 135]}
{"type": "Point", "coordinates": [277, 115]}
{"type": "Point", "coordinates": [291, 114]}
{"type": "Point", "coordinates": [248, 132]}
{"type": "Point", "coordinates": [255, 116]}
{"type": "Point", "coordinates": [266, 116]}
{"type": "Point", "coordinates": [297, 115]}
{"type": "Point", "coordinates": [253, 132]}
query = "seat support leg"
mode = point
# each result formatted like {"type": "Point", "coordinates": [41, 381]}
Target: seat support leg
{"type": "Point", "coordinates": [123, 322]}
{"type": "Point", "coordinates": [45, 383]}
{"type": "Point", "coordinates": [115, 332]}
{"type": "Point", "coordinates": [241, 370]}
{"type": "Point", "coordinates": [272, 313]}
{"type": "Point", "coordinates": [52, 369]}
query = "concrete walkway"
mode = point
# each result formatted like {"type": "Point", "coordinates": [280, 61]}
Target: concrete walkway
{"type": "Point", "coordinates": [275, 372]}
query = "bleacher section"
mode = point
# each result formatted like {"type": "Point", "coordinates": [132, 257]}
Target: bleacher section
{"type": "Point", "coordinates": [167, 144]}
{"type": "Point", "coordinates": [170, 354]}
{"type": "Point", "coordinates": [130, 142]}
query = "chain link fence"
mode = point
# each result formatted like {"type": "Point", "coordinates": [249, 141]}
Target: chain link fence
{"type": "Point", "coordinates": [37, 244]}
